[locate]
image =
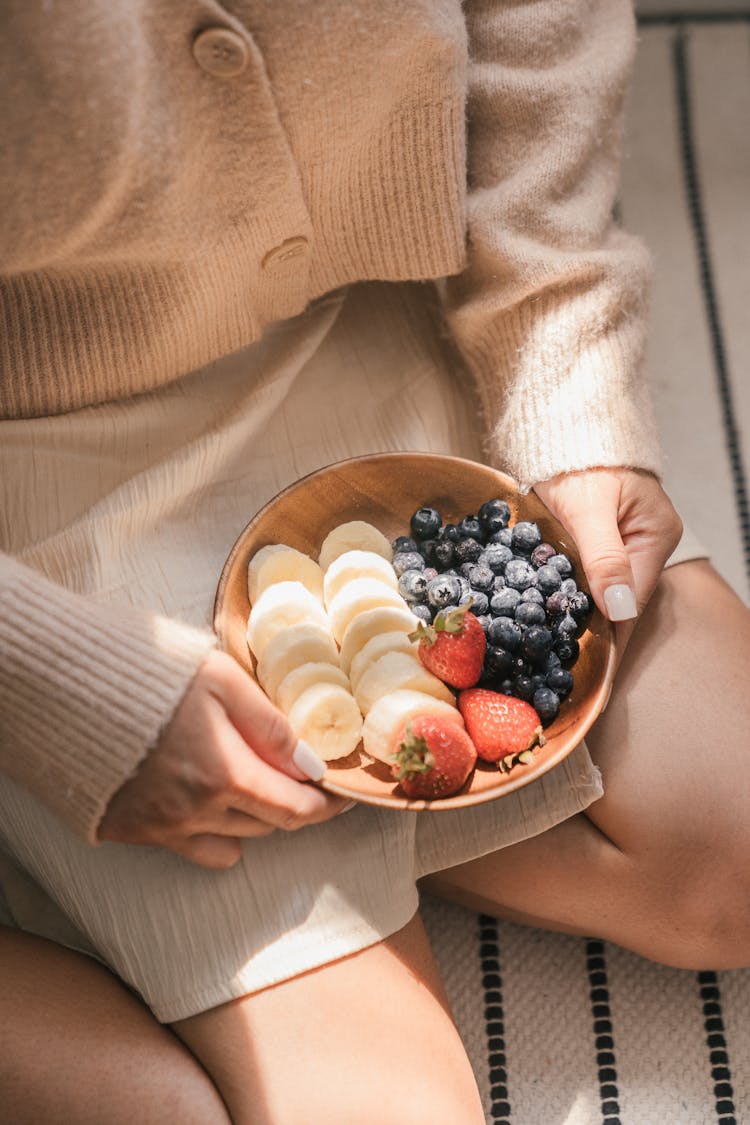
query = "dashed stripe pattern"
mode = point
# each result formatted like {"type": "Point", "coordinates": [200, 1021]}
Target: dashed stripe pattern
{"type": "Point", "coordinates": [604, 1042]}
{"type": "Point", "coordinates": [700, 235]}
{"type": "Point", "coordinates": [489, 952]}
{"type": "Point", "coordinates": [717, 1047]}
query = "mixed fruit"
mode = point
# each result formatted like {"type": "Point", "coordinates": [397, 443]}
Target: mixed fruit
{"type": "Point", "coordinates": [446, 645]}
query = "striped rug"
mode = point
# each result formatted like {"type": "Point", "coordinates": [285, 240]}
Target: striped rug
{"type": "Point", "coordinates": [569, 1031]}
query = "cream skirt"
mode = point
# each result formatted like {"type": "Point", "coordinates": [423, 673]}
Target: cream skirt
{"type": "Point", "coordinates": [140, 502]}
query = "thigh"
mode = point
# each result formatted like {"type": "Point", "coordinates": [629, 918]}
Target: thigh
{"type": "Point", "coordinates": [660, 863]}
{"type": "Point", "coordinates": [77, 1048]}
{"type": "Point", "coordinates": [367, 1039]}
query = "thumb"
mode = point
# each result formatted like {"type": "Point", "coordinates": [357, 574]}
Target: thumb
{"type": "Point", "coordinates": [607, 565]}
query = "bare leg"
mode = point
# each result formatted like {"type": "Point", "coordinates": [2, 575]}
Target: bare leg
{"type": "Point", "coordinates": [77, 1048]}
{"type": "Point", "coordinates": [367, 1039]}
{"type": "Point", "coordinates": [661, 864]}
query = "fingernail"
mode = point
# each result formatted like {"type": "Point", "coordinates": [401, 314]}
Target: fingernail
{"type": "Point", "coordinates": [620, 602]}
{"type": "Point", "coordinates": [347, 807]}
{"type": "Point", "coordinates": [305, 759]}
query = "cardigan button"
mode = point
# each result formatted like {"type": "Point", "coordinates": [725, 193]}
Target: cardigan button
{"type": "Point", "coordinates": [286, 254]}
{"type": "Point", "coordinates": [221, 52]}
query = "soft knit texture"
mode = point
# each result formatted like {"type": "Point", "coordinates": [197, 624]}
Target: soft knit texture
{"type": "Point", "coordinates": [156, 213]}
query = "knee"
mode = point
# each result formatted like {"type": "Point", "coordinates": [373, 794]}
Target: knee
{"type": "Point", "coordinates": [707, 922]}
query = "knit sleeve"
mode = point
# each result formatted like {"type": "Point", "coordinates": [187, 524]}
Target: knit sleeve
{"type": "Point", "coordinates": [85, 690]}
{"type": "Point", "coordinates": [550, 313]}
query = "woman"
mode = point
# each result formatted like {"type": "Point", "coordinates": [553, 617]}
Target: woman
{"type": "Point", "coordinates": [217, 228]}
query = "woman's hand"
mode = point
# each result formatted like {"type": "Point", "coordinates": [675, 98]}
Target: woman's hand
{"type": "Point", "coordinates": [226, 767]}
{"type": "Point", "coordinates": [625, 529]}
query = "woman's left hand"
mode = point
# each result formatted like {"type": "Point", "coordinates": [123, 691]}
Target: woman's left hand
{"type": "Point", "coordinates": [625, 529]}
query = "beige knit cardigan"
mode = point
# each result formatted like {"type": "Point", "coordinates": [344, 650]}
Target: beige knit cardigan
{"type": "Point", "coordinates": [177, 174]}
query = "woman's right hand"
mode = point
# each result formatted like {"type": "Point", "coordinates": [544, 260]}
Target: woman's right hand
{"type": "Point", "coordinates": [226, 767]}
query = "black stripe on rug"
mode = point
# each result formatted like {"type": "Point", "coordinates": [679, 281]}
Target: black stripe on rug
{"type": "Point", "coordinates": [489, 952]}
{"type": "Point", "coordinates": [604, 1042]}
{"type": "Point", "coordinates": [655, 19]}
{"type": "Point", "coordinates": [721, 1075]}
{"type": "Point", "coordinates": [700, 235]}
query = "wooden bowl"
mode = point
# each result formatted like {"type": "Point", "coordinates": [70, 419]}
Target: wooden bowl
{"type": "Point", "coordinates": [385, 489]}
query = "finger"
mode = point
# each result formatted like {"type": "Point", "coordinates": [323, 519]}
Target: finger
{"type": "Point", "coordinates": [215, 852]}
{"type": "Point", "coordinates": [606, 563]}
{"type": "Point", "coordinates": [267, 730]}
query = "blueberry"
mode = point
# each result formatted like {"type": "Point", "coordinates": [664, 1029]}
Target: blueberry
{"type": "Point", "coordinates": [537, 681]}
{"type": "Point", "coordinates": [425, 523]}
{"type": "Point", "coordinates": [521, 667]}
{"type": "Point", "coordinates": [519, 574]}
{"type": "Point", "coordinates": [523, 688]}
{"type": "Point", "coordinates": [430, 573]}
{"type": "Point", "coordinates": [504, 537]}
{"type": "Point", "coordinates": [403, 543]}
{"type": "Point", "coordinates": [407, 560]}
{"type": "Point", "coordinates": [562, 564]}
{"type": "Point", "coordinates": [470, 527]}
{"type": "Point", "coordinates": [497, 661]}
{"type": "Point", "coordinates": [449, 531]}
{"type": "Point", "coordinates": [506, 687]}
{"type": "Point", "coordinates": [495, 515]}
{"type": "Point", "coordinates": [480, 605]}
{"type": "Point", "coordinates": [548, 579]}
{"type": "Point", "coordinates": [443, 590]}
{"type": "Point", "coordinates": [557, 603]}
{"type": "Point", "coordinates": [561, 682]}
{"type": "Point", "coordinates": [579, 605]}
{"type": "Point", "coordinates": [467, 594]}
{"type": "Point", "coordinates": [465, 568]}
{"type": "Point", "coordinates": [504, 602]}
{"type": "Point", "coordinates": [551, 660]}
{"type": "Point", "coordinates": [412, 586]}
{"type": "Point", "coordinates": [536, 643]}
{"type": "Point", "coordinates": [567, 648]}
{"type": "Point", "coordinates": [531, 594]}
{"type": "Point", "coordinates": [529, 613]}
{"type": "Point", "coordinates": [542, 554]}
{"type": "Point", "coordinates": [443, 554]}
{"type": "Point", "coordinates": [499, 583]}
{"type": "Point", "coordinates": [525, 537]}
{"type": "Point", "coordinates": [566, 626]}
{"type": "Point", "coordinates": [496, 557]}
{"type": "Point", "coordinates": [480, 578]}
{"type": "Point", "coordinates": [484, 620]}
{"type": "Point", "coordinates": [546, 704]}
{"type": "Point", "coordinates": [426, 549]}
{"type": "Point", "coordinates": [505, 632]}
{"type": "Point", "coordinates": [423, 612]}
{"type": "Point", "coordinates": [569, 586]}
{"type": "Point", "coordinates": [467, 550]}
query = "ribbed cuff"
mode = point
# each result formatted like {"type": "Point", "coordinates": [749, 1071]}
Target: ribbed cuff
{"type": "Point", "coordinates": [85, 691]}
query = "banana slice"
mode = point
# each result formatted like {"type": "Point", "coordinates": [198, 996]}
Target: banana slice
{"type": "Point", "coordinates": [293, 646]}
{"type": "Point", "coordinates": [327, 717]}
{"type": "Point", "coordinates": [383, 619]}
{"type": "Point", "coordinates": [284, 603]}
{"type": "Point", "coordinates": [353, 536]}
{"type": "Point", "coordinates": [307, 675]}
{"type": "Point", "coordinates": [356, 564]}
{"type": "Point", "coordinates": [279, 563]}
{"type": "Point", "coordinates": [376, 647]}
{"type": "Point", "coordinates": [394, 672]}
{"type": "Point", "coordinates": [391, 712]}
{"type": "Point", "coordinates": [357, 597]}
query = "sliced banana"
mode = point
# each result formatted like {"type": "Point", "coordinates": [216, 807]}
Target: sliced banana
{"type": "Point", "coordinates": [357, 597]}
{"type": "Point", "coordinates": [356, 535]}
{"type": "Point", "coordinates": [284, 603]}
{"type": "Point", "coordinates": [307, 675]}
{"type": "Point", "coordinates": [394, 672]}
{"type": "Point", "coordinates": [383, 619]}
{"type": "Point", "coordinates": [292, 647]}
{"type": "Point", "coordinates": [376, 647]}
{"type": "Point", "coordinates": [278, 563]}
{"type": "Point", "coordinates": [391, 712]}
{"type": "Point", "coordinates": [356, 564]}
{"type": "Point", "coordinates": [327, 717]}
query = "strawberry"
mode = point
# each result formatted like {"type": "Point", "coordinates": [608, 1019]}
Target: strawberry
{"type": "Point", "coordinates": [433, 757]}
{"type": "Point", "coordinates": [500, 726]}
{"type": "Point", "coordinates": [453, 647]}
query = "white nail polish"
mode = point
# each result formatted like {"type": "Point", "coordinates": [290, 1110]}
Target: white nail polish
{"type": "Point", "coordinates": [620, 603]}
{"type": "Point", "coordinates": [305, 759]}
{"type": "Point", "coordinates": [348, 807]}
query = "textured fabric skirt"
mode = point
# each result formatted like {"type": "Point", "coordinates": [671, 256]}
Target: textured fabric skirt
{"type": "Point", "coordinates": [140, 502]}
